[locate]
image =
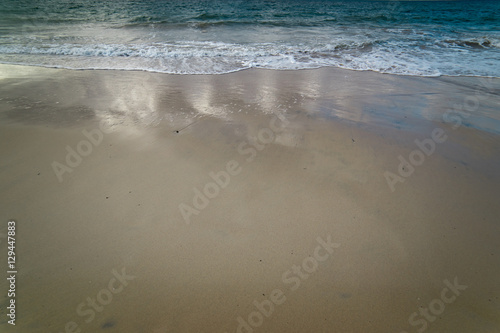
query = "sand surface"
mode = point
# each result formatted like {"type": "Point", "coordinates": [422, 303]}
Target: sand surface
{"type": "Point", "coordinates": [302, 158]}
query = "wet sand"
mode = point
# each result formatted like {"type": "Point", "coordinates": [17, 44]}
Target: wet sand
{"type": "Point", "coordinates": [185, 203]}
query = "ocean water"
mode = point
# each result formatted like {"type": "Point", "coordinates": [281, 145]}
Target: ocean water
{"type": "Point", "coordinates": [428, 38]}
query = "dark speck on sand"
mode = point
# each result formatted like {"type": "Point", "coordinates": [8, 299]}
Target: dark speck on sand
{"type": "Point", "coordinates": [345, 295]}
{"type": "Point", "coordinates": [108, 324]}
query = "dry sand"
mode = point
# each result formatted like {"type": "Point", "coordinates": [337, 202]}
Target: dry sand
{"type": "Point", "coordinates": [307, 153]}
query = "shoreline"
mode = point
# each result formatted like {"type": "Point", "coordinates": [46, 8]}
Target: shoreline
{"type": "Point", "coordinates": [246, 69]}
{"type": "Point", "coordinates": [100, 165]}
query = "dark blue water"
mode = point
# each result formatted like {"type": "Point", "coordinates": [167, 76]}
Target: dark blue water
{"type": "Point", "coordinates": [417, 38]}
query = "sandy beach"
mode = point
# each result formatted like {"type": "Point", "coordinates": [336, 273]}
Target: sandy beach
{"type": "Point", "coordinates": [322, 200]}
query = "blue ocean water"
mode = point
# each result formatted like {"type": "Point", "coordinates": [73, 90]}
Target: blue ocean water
{"type": "Point", "coordinates": [425, 38]}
